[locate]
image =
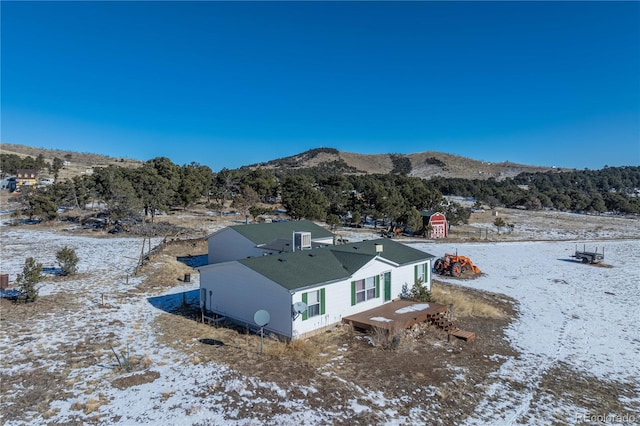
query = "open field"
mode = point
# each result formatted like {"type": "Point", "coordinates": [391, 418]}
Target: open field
{"type": "Point", "coordinates": [556, 339]}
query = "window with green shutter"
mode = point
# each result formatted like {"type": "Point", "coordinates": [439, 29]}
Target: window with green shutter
{"type": "Point", "coordinates": [315, 303]}
{"type": "Point", "coordinates": [365, 289]}
{"type": "Point", "coordinates": [420, 273]}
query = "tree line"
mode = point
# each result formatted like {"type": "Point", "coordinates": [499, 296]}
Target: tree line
{"type": "Point", "coordinates": [327, 193]}
{"type": "Point", "coordinates": [612, 189]}
{"type": "Point", "coordinates": [159, 185]}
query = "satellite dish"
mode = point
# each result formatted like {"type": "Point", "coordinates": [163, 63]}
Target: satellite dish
{"type": "Point", "coordinates": [299, 307]}
{"type": "Point", "coordinates": [261, 317]}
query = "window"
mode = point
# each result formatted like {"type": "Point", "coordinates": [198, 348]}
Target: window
{"type": "Point", "coordinates": [363, 290]}
{"type": "Point", "coordinates": [421, 273]}
{"type": "Point", "coordinates": [315, 303]}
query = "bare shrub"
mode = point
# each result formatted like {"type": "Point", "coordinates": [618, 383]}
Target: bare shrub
{"type": "Point", "coordinates": [386, 338]}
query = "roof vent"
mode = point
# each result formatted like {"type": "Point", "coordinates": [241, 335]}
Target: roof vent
{"type": "Point", "coordinates": [282, 260]}
{"type": "Point", "coordinates": [379, 248]}
{"type": "Point", "coordinates": [301, 241]}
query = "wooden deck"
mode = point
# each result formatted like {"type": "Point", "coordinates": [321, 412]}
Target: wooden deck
{"type": "Point", "coordinates": [401, 314]}
{"type": "Point", "coordinates": [395, 315]}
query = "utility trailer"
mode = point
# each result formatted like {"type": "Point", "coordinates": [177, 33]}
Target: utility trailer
{"type": "Point", "coordinates": [585, 256]}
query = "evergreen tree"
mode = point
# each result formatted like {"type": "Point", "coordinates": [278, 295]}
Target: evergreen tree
{"type": "Point", "coordinates": [27, 281]}
{"type": "Point", "coordinates": [68, 261]}
{"type": "Point", "coordinates": [302, 198]}
{"type": "Point", "coordinates": [414, 220]}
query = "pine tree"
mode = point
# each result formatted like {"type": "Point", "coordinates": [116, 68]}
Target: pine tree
{"type": "Point", "coordinates": [31, 275]}
{"type": "Point", "coordinates": [499, 223]}
{"type": "Point", "coordinates": [68, 261]}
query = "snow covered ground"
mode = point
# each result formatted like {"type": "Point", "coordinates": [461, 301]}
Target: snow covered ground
{"type": "Point", "coordinates": [570, 315]}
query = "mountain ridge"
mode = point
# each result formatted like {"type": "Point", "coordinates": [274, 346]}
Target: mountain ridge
{"type": "Point", "coordinates": [426, 164]}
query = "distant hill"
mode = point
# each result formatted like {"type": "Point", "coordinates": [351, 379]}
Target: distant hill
{"type": "Point", "coordinates": [423, 164]}
{"type": "Point", "coordinates": [79, 162]}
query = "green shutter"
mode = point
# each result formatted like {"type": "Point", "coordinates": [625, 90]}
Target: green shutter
{"type": "Point", "coordinates": [426, 274]}
{"type": "Point", "coordinates": [322, 301]}
{"type": "Point", "coordinates": [415, 274]}
{"type": "Point", "coordinates": [304, 300]}
{"type": "Point", "coordinates": [387, 286]}
{"type": "Point", "coordinates": [353, 293]}
{"type": "Point", "coordinates": [377, 286]}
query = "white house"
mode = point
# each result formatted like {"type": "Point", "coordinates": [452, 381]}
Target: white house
{"type": "Point", "coordinates": [331, 281]}
{"type": "Point", "coordinates": [242, 241]}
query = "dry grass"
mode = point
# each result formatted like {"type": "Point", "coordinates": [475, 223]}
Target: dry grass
{"type": "Point", "coordinates": [307, 351]}
{"type": "Point", "coordinates": [464, 303]}
{"type": "Point", "coordinates": [387, 338]}
{"type": "Point", "coordinates": [92, 405]}
{"type": "Point", "coordinates": [164, 272]}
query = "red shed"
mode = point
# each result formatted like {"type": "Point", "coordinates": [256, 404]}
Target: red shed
{"type": "Point", "coordinates": [437, 221]}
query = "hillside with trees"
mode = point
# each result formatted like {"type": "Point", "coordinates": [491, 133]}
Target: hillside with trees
{"type": "Point", "coordinates": [331, 191]}
{"type": "Point", "coordinates": [422, 165]}
{"type": "Point", "coordinates": [612, 189]}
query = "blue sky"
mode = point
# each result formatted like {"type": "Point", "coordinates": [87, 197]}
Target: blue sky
{"type": "Point", "coordinates": [227, 84]}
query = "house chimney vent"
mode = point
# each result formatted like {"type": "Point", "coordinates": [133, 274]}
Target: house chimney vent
{"type": "Point", "coordinates": [301, 241]}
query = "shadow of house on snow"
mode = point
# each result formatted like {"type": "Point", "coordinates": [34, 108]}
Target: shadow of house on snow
{"type": "Point", "coordinates": [183, 303]}
{"type": "Point", "coordinates": [186, 303]}
{"type": "Point", "coordinates": [194, 261]}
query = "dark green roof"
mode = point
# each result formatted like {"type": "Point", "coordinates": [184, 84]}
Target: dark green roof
{"type": "Point", "coordinates": [263, 233]}
{"type": "Point", "coordinates": [392, 250]}
{"type": "Point", "coordinates": [299, 269]}
{"type": "Point", "coordinates": [323, 265]}
{"type": "Point", "coordinates": [351, 262]}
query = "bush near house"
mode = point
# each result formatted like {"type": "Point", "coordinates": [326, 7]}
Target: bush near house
{"type": "Point", "coordinates": [417, 293]}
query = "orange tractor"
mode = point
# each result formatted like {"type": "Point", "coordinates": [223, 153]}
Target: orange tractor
{"type": "Point", "coordinates": [454, 265]}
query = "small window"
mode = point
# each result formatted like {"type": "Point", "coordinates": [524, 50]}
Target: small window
{"type": "Point", "coordinates": [313, 303]}
{"type": "Point", "coordinates": [421, 275]}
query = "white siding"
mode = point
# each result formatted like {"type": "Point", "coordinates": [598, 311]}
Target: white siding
{"type": "Point", "coordinates": [238, 292]}
{"type": "Point", "coordinates": [327, 240]}
{"type": "Point", "coordinates": [338, 296]}
{"type": "Point", "coordinates": [226, 245]}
